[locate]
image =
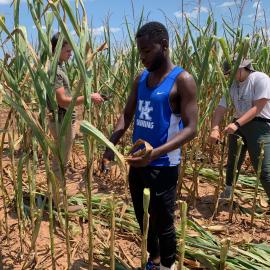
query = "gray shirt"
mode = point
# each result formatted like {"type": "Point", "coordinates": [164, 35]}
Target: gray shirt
{"type": "Point", "coordinates": [243, 94]}
{"type": "Point", "coordinates": [61, 80]}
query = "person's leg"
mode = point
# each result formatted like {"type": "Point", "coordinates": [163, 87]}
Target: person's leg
{"type": "Point", "coordinates": [69, 139]}
{"type": "Point", "coordinates": [256, 132]}
{"type": "Point", "coordinates": [55, 163]}
{"type": "Point", "coordinates": [56, 167]}
{"type": "Point", "coordinates": [165, 194]}
{"type": "Point", "coordinates": [152, 240]}
{"type": "Point", "coordinates": [68, 143]}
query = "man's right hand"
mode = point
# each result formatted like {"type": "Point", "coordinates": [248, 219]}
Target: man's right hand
{"type": "Point", "coordinates": [214, 136]}
{"type": "Point", "coordinates": [96, 98]}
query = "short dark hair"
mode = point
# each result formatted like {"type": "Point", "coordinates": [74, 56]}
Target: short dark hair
{"type": "Point", "coordinates": [55, 39]}
{"type": "Point", "coordinates": [154, 30]}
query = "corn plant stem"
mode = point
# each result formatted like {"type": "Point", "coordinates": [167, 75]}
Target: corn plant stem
{"type": "Point", "coordinates": [31, 191]}
{"type": "Point", "coordinates": [225, 244]}
{"type": "Point", "coordinates": [180, 265]}
{"type": "Point", "coordinates": [195, 180]}
{"type": "Point", "coordinates": [12, 160]}
{"type": "Point", "coordinates": [222, 157]}
{"type": "Point", "coordinates": [259, 170]}
{"type": "Point", "coordinates": [89, 145]}
{"type": "Point", "coordinates": [4, 193]}
{"type": "Point", "coordinates": [34, 169]}
{"type": "Point", "coordinates": [63, 181]}
{"type": "Point", "coordinates": [183, 215]}
{"type": "Point", "coordinates": [18, 207]}
{"type": "Point", "coordinates": [51, 226]}
{"type": "Point", "coordinates": [1, 261]}
{"type": "Point", "coordinates": [196, 170]}
{"type": "Point", "coordinates": [235, 173]}
{"type": "Point", "coordinates": [112, 240]}
{"type": "Point", "coordinates": [182, 170]}
{"type": "Point", "coordinates": [51, 222]}
{"type": "Point", "coordinates": [220, 180]}
{"type": "Point", "coordinates": [146, 201]}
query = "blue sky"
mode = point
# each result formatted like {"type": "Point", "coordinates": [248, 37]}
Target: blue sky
{"type": "Point", "coordinates": [98, 10]}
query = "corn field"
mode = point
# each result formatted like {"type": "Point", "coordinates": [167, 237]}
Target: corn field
{"type": "Point", "coordinates": [94, 237]}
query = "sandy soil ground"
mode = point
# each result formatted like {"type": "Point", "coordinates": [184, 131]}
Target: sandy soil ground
{"type": "Point", "coordinates": [128, 244]}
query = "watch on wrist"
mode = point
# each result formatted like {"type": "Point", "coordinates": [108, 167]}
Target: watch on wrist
{"type": "Point", "coordinates": [237, 124]}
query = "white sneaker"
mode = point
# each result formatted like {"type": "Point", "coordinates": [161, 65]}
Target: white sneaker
{"type": "Point", "coordinates": [226, 194]}
{"type": "Point", "coordinates": [167, 268]}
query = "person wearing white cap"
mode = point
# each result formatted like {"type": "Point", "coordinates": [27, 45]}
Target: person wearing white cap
{"type": "Point", "coordinates": [250, 96]}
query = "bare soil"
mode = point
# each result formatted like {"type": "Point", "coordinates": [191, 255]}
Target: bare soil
{"type": "Point", "coordinates": [127, 244]}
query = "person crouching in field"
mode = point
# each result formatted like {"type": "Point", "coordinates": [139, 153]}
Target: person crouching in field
{"type": "Point", "coordinates": [163, 101]}
{"type": "Point", "coordinates": [250, 95]}
{"type": "Point", "coordinates": [64, 97]}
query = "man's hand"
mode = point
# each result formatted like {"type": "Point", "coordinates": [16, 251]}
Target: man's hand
{"type": "Point", "coordinates": [141, 161]}
{"type": "Point", "coordinates": [231, 128]}
{"type": "Point", "coordinates": [96, 98]}
{"type": "Point", "coordinates": [214, 136]}
{"type": "Point", "coordinates": [141, 157]}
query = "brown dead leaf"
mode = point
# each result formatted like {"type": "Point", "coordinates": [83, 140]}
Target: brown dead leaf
{"type": "Point", "coordinates": [263, 202]}
{"type": "Point", "coordinates": [216, 228]}
{"type": "Point", "coordinates": [193, 233]}
{"type": "Point", "coordinates": [193, 264]}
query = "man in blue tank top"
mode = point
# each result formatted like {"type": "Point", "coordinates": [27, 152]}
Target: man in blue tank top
{"type": "Point", "coordinates": [163, 100]}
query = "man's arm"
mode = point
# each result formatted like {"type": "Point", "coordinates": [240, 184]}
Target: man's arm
{"type": "Point", "coordinates": [186, 89]}
{"type": "Point", "coordinates": [64, 101]}
{"type": "Point", "coordinates": [247, 116]}
{"type": "Point", "coordinates": [217, 117]}
{"type": "Point", "coordinates": [214, 136]}
{"type": "Point", "coordinates": [252, 112]}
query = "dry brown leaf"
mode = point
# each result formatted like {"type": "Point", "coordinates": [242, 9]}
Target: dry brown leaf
{"type": "Point", "coordinates": [193, 233]}
{"type": "Point", "coordinates": [199, 221]}
{"type": "Point", "coordinates": [217, 228]}
{"type": "Point", "coordinates": [91, 55]}
{"type": "Point", "coordinates": [123, 210]}
{"type": "Point", "coordinates": [194, 264]}
{"type": "Point", "coordinates": [263, 202]}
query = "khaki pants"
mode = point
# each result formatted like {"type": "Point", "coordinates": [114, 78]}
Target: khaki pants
{"type": "Point", "coordinates": [68, 143]}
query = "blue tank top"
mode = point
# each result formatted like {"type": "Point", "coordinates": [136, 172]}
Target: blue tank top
{"type": "Point", "coordinates": [154, 120]}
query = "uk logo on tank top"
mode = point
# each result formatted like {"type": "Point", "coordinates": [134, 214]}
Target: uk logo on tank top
{"type": "Point", "coordinates": [145, 110]}
{"type": "Point", "coordinates": [154, 121]}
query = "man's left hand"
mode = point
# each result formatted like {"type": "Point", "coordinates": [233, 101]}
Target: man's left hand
{"type": "Point", "coordinates": [142, 161]}
{"type": "Point", "coordinates": [231, 128]}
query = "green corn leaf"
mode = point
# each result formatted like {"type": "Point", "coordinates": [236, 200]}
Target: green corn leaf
{"type": "Point", "coordinates": [70, 40]}
{"type": "Point", "coordinates": [41, 32]}
{"type": "Point", "coordinates": [90, 130]}
{"type": "Point", "coordinates": [41, 136]}
{"type": "Point", "coordinates": [20, 182]}
{"type": "Point", "coordinates": [68, 9]}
